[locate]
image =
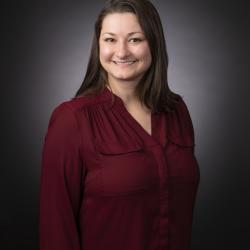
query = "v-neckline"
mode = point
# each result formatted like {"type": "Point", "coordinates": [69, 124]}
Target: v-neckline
{"type": "Point", "coordinates": [131, 117]}
{"type": "Point", "coordinates": [149, 138]}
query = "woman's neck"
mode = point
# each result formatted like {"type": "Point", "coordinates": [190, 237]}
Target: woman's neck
{"type": "Point", "coordinates": [126, 93]}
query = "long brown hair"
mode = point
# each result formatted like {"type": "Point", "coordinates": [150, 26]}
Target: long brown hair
{"type": "Point", "coordinates": [153, 89]}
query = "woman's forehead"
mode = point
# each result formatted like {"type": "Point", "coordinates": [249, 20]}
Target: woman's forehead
{"type": "Point", "coordinates": [116, 23]}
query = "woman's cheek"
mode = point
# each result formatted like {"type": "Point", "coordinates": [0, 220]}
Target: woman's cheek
{"type": "Point", "coordinates": [106, 53]}
{"type": "Point", "coordinates": [143, 52]}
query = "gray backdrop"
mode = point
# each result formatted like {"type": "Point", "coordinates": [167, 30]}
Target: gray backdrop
{"type": "Point", "coordinates": [46, 47]}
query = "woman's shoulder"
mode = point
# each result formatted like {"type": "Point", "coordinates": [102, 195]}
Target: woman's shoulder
{"type": "Point", "coordinates": [180, 123]}
{"type": "Point", "coordinates": [181, 106]}
{"type": "Point", "coordinates": [76, 104]}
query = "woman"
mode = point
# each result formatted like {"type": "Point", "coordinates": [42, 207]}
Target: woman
{"type": "Point", "coordinates": [118, 167]}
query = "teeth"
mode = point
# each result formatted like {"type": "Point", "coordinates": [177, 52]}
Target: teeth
{"type": "Point", "coordinates": [128, 62]}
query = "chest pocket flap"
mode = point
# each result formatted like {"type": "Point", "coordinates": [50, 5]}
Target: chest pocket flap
{"type": "Point", "coordinates": [115, 147]}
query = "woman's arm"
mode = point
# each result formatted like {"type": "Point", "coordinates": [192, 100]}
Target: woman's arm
{"type": "Point", "coordinates": [61, 182]}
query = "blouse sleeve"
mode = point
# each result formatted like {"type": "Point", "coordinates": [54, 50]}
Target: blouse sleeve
{"type": "Point", "coordinates": [188, 123]}
{"type": "Point", "coordinates": [61, 182]}
{"type": "Point", "coordinates": [181, 130]}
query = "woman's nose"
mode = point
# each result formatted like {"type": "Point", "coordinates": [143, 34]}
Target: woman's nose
{"type": "Point", "coordinates": [122, 50]}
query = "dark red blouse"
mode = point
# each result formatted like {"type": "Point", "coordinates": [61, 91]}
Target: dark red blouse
{"type": "Point", "coordinates": [106, 184]}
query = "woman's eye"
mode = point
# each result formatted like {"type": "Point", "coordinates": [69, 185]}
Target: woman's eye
{"type": "Point", "coordinates": [108, 39]}
{"type": "Point", "coordinates": [135, 40]}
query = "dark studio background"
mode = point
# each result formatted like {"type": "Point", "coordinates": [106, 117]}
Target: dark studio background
{"type": "Point", "coordinates": [45, 52]}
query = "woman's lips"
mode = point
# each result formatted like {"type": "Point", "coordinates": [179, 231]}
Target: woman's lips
{"type": "Point", "coordinates": [124, 63]}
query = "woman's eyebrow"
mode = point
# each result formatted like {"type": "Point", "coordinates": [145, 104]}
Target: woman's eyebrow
{"type": "Point", "coordinates": [129, 34]}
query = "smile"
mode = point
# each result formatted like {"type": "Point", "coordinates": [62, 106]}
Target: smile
{"type": "Point", "coordinates": [124, 63]}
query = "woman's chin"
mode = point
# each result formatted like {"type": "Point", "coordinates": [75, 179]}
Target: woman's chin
{"type": "Point", "coordinates": [126, 76]}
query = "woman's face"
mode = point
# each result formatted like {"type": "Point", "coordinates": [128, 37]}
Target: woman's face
{"type": "Point", "coordinates": [124, 50]}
